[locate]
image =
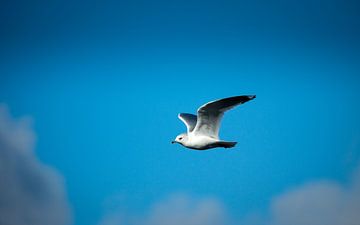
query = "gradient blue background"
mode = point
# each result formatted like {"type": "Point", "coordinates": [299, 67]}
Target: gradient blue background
{"type": "Point", "coordinates": [105, 80]}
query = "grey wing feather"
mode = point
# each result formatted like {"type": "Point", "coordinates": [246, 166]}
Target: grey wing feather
{"type": "Point", "coordinates": [189, 120]}
{"type": "Point", "coordinates": [210, 114]}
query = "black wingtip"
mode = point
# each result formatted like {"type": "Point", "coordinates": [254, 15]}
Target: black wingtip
{"type": "Point", "coordinates": [252, 97]}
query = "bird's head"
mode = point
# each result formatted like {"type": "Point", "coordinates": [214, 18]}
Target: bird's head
{"type": "Point", "coordinates": [181, 139]}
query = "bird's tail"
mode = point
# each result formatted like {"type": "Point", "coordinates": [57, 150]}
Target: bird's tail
{"type": "Point", "coordinates": [226, 144]}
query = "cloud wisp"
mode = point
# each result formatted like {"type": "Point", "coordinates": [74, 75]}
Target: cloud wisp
{"type": "Point", "coordinates": [318, 203]}
{"type": "Point", "coordinates": [176, 209]}
{"type": "Point", "coordinates": [30, 192]}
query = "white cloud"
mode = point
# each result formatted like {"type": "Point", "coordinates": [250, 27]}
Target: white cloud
{"type": "Point", "coordinates": [30, 192]}
{"type": "Point", "coordinates": [318, 203]}
{"type": "Point", "coordinates": [314, 203]}
{"type": "Point", "coordinates": [183, 210]}
{"type": "Point", "coordinates": [113, 218]}
{"type": "Point", "coordinates": [177, 209]}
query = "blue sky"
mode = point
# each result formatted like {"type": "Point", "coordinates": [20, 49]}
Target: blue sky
{"type": "Point", "coordinates": [104, 82]}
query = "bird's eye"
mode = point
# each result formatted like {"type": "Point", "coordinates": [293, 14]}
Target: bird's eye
{"type": "Point", "coordinates": [180, 138]}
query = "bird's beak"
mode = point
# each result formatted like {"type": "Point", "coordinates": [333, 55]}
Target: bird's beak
{"type": "Point", "coordinates": [173, 142]}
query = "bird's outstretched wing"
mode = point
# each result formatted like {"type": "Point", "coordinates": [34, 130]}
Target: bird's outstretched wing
{"type": "Point", "coordinates": [189, 120]}
{"type": "Point", "coordinates": [210, 114]}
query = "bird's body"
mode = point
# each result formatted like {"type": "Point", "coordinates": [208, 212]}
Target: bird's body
{"type": "Point", "coordinates": [202, 142]}
{"type": "Point", "coordinates": [203, 130]}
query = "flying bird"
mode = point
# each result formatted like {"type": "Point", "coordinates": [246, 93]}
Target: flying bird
{"type": "Point", "coordinates": [203, 129]}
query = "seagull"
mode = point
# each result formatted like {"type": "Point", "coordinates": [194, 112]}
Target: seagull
{"type": "Point", "coordinates": [203, 129]}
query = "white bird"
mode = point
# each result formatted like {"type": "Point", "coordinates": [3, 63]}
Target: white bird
{"type": "Point", "coordinates": [203, 129]}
